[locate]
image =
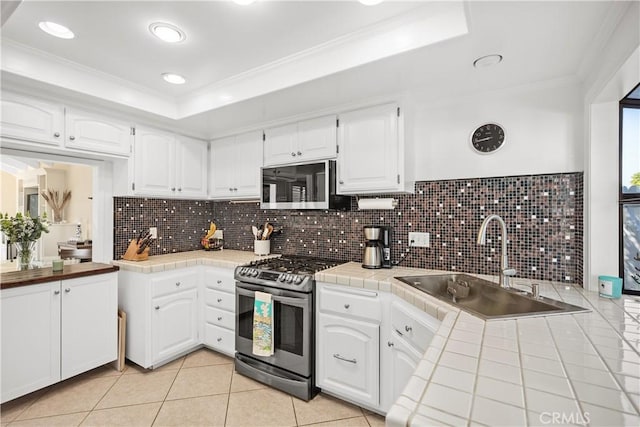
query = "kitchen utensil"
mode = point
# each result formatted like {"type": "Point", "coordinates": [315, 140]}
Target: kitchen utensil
{"type": "Point", "coordinates": [269, 231]}
{"type": "Point", "coordinates": [254, 229]}
{"type": "Point", "coordinates": [264, 230]}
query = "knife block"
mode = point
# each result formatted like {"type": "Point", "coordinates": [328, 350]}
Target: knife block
{"type": "Point", "coordinates": [132, 252]}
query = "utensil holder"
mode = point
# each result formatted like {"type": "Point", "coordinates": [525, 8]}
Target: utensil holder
{"type": "Point", "coordinates": [262, 247]}
{"type": "Point", "coordinates": [132, 252]}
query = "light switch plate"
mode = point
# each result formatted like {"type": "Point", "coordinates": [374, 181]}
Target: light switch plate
{"type": "Point", "coordinates": [154, 232]}
{"type": "Point", "coordinates": [419, 240]}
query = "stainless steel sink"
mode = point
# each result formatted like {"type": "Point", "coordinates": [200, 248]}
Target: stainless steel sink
{"type": "Point", "coordinates": [486, 299]}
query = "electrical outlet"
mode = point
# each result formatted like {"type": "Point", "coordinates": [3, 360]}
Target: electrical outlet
{"type": "Point", "coordinates": [154, 232]}
{"type": "Point", "coordinates": [419, 240]}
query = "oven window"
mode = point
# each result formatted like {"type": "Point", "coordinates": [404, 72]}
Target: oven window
{"type": "Point", "coordinates": [288, 321]}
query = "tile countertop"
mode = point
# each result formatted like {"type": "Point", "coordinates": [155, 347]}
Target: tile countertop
{"type": "Point", "coordinates": [226, 258]}
{"type": "Point", "coordinates": [565, 369]}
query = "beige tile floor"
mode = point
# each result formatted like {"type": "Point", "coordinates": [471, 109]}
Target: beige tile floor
{"type": "Point", "coordinates": [200, 389]}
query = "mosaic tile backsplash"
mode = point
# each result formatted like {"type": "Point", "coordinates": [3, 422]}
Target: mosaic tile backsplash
{"type": "Point", "coordinates": [544, 216]}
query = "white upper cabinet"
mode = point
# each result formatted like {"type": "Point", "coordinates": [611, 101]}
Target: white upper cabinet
{"type": "Point", "coordinates": [191, 173]}
{"type": "Point", "coordinates": [304, 141]}
{"type": "Point", "coordinates": [166, 165]}
{"type": "Point", "coordinates": [91, 132]}
{"type": "Point", "coordinates": [235, 167]}
{"type": "Point", "coordinates": [371, 151]}
{"type": "Point", "coordinates": [32, 120]}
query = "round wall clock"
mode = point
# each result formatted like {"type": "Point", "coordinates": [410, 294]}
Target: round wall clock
{"type": "Point", "coordinates": [488, 138]}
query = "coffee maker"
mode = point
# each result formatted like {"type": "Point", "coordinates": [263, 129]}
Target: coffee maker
{"type": "Point", "coordinates": [377, 251]}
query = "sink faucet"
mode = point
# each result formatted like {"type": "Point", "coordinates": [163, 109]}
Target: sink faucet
{"type": "Point", "coordinates": [506, 271]}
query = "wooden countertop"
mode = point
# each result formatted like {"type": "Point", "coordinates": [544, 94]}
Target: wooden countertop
{"type": "Point", "coordinates": [42, 275]}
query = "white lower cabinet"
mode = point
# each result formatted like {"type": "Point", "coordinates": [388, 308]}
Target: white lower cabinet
{"type": "Point", "coordinates": [348, 343]}
{"type": "Point", "coordinates": [219, 309]}
{"type": "Point", "coordinates": [349, 358]}
{"type": "Point", "coordinates": [163, 314]}
{"type": "Point", "coordinates": [56, 330]}
{"type": "Point", "coordinates": [368, 344]}
{"type": "Point", "coordinates": [175, 323]}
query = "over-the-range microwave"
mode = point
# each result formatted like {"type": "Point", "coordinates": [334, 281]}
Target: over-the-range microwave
{"type": "Point", "coordinates": [302, 186]}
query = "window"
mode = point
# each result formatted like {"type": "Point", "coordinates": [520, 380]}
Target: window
{"type": "Point", "coordinates": [630, 191]}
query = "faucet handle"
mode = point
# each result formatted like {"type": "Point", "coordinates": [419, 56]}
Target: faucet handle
{"type": "Point", "coordinates": [509, 272]}
{"type": "Point", "coordinates": [535, 289]}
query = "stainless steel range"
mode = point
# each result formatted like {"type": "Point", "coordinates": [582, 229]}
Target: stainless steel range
{"type": "Point", "coordinates": [290, 282]}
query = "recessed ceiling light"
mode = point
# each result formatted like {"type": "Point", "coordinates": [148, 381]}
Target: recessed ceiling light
{"type": "Point", "coordinates": [175, 79]}
{"type": "Point", "coordinates": [56, 30]}
{"type": "Point", "coordinates": [370, 2]}
{"type": "Point", "coordinates": [487, 61]}
{"type": "Point", "coordinates": [167, 32]}
{"type": "Point", "coordinates": [244, 2]}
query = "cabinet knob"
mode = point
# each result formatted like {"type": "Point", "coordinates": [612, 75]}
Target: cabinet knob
{"type": "Point", "coordinates": [219, 299]}
{"type": "Point", "coordinates": [56, 135]}
{"type": "Point", "coordinates": [56, 292]}
{"type": "Point", "coordinates": [389, 344]}
{"type": "Point", "coordinates": [218, 281]}
{"type": "Point", "coordinates": [157, 307]}
{"type": "Point", "coordinates": [230, 189]}
{"type": "Point", "coordinates": [341, 182]}
{"type": "Point", "coordinates": [299, 153]}
{"type": "Point", "coordinates": [72, 138]}
{"type": "Point", "coordinates": [173, 188]}
{"type": "Point", "coordinates": [177, 283]}
{"type": "Point", "coordinates": [346, 306]}
{"type": "Point", "coordinates": [293, 154]}
{"type": "Point", "coordinates": [235, 189]}
{"type": "Point", "coordinates": [408, 328]}
{"type": "Point", "coordinates": [219, 318]}
{"type": "Point", "coordinates": [179, 189]}
{"type": "Point", "coordinates": [219, 339]}
{"type": "Point", "coordinates": [67, 290]}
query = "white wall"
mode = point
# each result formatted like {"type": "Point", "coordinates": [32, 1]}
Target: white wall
{"type": "Point", "coordinates": [543, 123]}
{"type": "Point", "coordinates": [80, 182]}
{"type": "Point", "coordinates": [617, 74]}
{"type": "Point", "coordinates": [9, 188]}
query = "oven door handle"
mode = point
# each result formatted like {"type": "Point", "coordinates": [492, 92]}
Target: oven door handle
{"type": "Point", "coordinates": [276, 295]}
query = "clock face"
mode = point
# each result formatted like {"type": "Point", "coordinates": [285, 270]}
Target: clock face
{"type": "Point", "coordinates": [487, 138]}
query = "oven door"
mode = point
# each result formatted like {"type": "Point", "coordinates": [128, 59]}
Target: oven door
{"type": "Point", "coordinates": [292, 327]}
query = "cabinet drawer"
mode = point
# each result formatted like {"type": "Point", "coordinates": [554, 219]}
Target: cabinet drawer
{"type": "Point", "coordinates": [220, 339]}
{"type": "Point", "coordinates": [214, 279]}
{"type": "Point", "coordinates": [218, 317]}
{"type": "Point", "coordinates": [219, 299]}
{"type": "Point", "coordinates": [415, 327]}
{"type": "Point", "coordinates": [346, 301]}
{"type": "Point", "coordinates": [168, 283]}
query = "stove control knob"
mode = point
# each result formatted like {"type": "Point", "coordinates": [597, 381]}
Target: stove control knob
{"type": "Point", "coordinates": [254, 273]}
{"type": "Point", "coordinates": [298, 280]}
{"type": "Point", "coordinates": [281, 277]}
{"type": "Point", "coordinates": [290, 278]}
{"type": "Point", "coordinates": [241, 271]}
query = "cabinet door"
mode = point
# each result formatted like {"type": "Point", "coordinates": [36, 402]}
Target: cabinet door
{"type": "Point", "coordinates": [32, 120]}
{"type": "Point", "coordinates": [89, 323]}
{"type": "Point", "coordinates": [348, 358]}
{"type": "Point", "coordinates": [30, 338]}
{"type": "Point", "coordinates": [91, 132]}
{"type": "Point", "coordinates": [317, 139]}
{"type": "Point", "coordinates": [223, 164]}
{"type": "Point", "coordinates": [154, 163]}
{"type": "Point", "coordinates": [280, 145]}
{"type": "Point", "coordinates": [192, 158]}
{"type": "Point", "coordinates": [248, 162]}
{"type": "Point", "coordinates": [175, 324]}
{"type": "Point", "coordinates": [404, 362]}
{"type": "Point", "coordinates": [368, 150]}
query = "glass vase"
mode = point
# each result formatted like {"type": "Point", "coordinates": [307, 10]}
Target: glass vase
{"type": "Point", "coordinates": [25, 253]}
